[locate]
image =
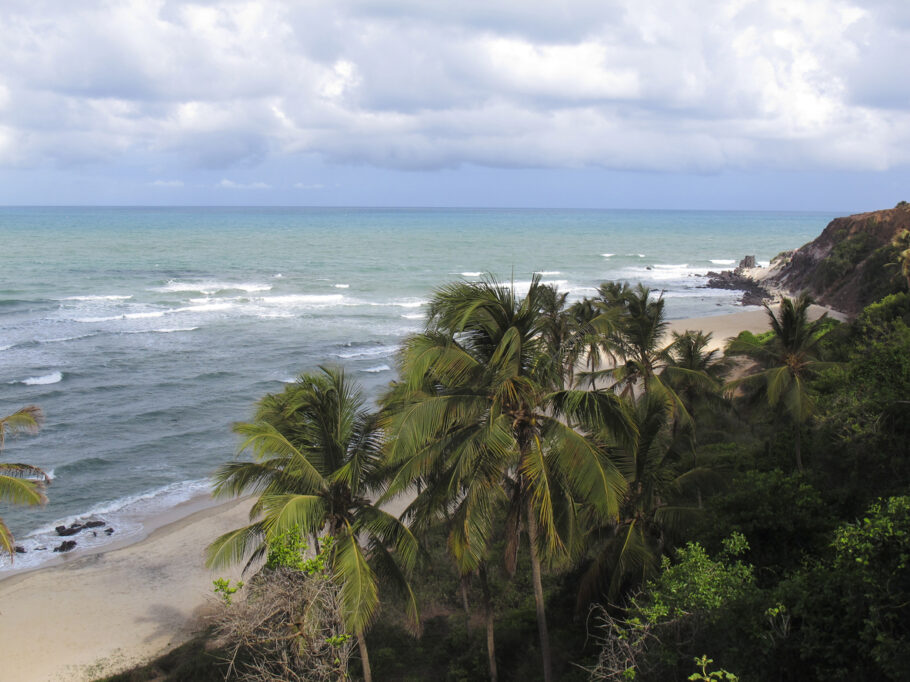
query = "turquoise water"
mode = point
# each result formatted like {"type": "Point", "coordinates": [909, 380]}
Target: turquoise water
{"type": "Point", "coordinates": [144, 333]}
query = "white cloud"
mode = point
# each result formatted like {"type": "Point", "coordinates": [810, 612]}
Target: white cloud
{"type": "Point", "coordinates": [664, 85]}
{"type": "Point", "coordinates": [230, 184]}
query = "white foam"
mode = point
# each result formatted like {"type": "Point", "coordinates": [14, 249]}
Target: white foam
{"type": "Point", "coordinates": [342, 286]}
{"type": "Point", "coordinates": [65, 338]}
{"type": "Point", "coordinates": [204, 308]}
{"type": "Point", "coordinates": [303, 299]}
{"type": "Point", "coordinates": [164, 330]}
{"type": "Point", "coordinates": [471, 274]}
{"type": "Point", "coordinates": [723, 261]}
{"type": "Point", "coordinates": [763, 263]}
{"type": "Point", "coordinates": [375, 352]}
{"type": "Point", "coordinates": [7, 347]}
{"type": "Point", "coordinates": [125, 316]}
{"type": "Point", "coordinates": [413, 316]}
{"type": "Point", "coordinates": [608, 255]}
{"type": "Point", "coordinates": [211, 287]}
{"type": "Point", "coordinates": [409, 303]}
{"type": "Point", "coordinates": [116, 297]}
{"type": "Point", "coordinates": [547, 273]}
{"type": "Point", "coordinates": [278, 276]}
{"type": "Point", "coordinates": [377, 369]}
{"type": "Point", "coordinates": [43, 380]}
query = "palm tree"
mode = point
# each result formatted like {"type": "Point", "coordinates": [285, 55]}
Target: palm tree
{"type": "Point", "coordinates": [693, 371]}
{"type": "Point", "coordinates": [316, 464]}
{"type": "Point", "coordinates": [20, 483]}
{"type": "Point", "coordinates": [476, 424]}
{"type": "Point", "coordinates": [656, 508]}
{"type": "Point", "coordinates": [634, 326]}
{"type": "Point", "coordinates": [788, 362]}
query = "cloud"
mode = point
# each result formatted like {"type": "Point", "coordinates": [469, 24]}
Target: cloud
{"type": "Point", "coordinates": [230, 184]}
{"type": "Point", "coordinates": [404, 84]}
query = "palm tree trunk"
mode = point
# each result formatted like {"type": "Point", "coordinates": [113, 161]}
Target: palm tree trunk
{"type": "Point", "coordinates": [464, 602]}
{"type": "Point", "coordinates": [799, 457]}
{"type": "Point", "coordinates": [364, 657]}
{"type": "Point", "coordinates": [538, 597]}
{"type": "Point", "coordinates": [488, 616]}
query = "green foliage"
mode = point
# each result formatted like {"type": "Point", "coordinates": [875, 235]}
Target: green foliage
{"type": "Point", "coordinates": [843, 258]}
{"type": "Point", "coordinates": [288, 550]}
{"type": "Point", "coordinates": [703, 675]}
{"type": "Point", "coordinates": [696, 583]}
{"type": "Point", "coordinates": [225, 590]}
{"type": "Point", "coordinates": [851, 610]}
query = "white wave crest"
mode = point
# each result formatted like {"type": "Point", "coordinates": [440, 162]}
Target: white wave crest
{"type": "Point", "coordinates": [342, 286]}
{"type": "Point", "coordinates": [413, 316]}
{"type": "Point", "coordinates": [7, 347]}
{"type": "Point", "coordinates": [471, 274]}
{"type": "Point", "coordinates": [375, 352]}
{"type": "Point", "coordinates": [211, 287]}
{"type": "Point", "coordinates": [114, 297]}
{"type": "Point", "coordinates": [723, 261]}
{"type": "Point", "coordinates": [43, 380]}
{"type": "Point", "coordinates": [377, 369]}
{"type": "Point", "coordinates": [303, 299]}
{"type": "Point", "coordinates": [547, 273]}
{"type": "Point", "coordinates": [65, 338]}
{"type": "Point", "coordinates": [608, 255]}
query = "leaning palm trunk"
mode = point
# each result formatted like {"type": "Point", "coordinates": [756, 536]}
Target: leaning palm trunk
{"type": "Point", "coordinates": [538, 597]}
{"type": "Point", "coordinates": [364, 657]}
{"type": "Point", "coordinates": [488, 617]}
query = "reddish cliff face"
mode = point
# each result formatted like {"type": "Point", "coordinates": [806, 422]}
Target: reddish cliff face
{"type": "Point", "coordinates": [851, 264]}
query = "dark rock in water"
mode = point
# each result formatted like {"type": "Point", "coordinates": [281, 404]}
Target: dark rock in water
{"type": "Point", "coordinates": [94, 524]}
{"type": "Point", "coordinates": [753, 292]}
{"type": "Point", "coordinates": [746, 262]}
{"type": "Point", "coordinates": [72, 530]}
{"type": "Point", "coordinates": [65, 546]}
{"type": "Point", "coordinates": [109, 531]}
{"type": "Point", "coordinates": [20, 549]}
{"type": "Point", "coordinates": [648, 268]}
{"type": "Point", "coordinates": [60, 529]}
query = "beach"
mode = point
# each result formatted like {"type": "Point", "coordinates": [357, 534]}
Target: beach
{"type": "Point", "coordinates": [91, 614]}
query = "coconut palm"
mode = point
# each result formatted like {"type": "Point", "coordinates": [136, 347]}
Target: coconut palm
{"type": "Point", "coordinates": [476, 424]}
{"type": "Point", "coordinates": [20, 483]}
{"type": "Point", "coordinates": [787, 361]}
{"type": "Point", "coordinates": [635, 326]}
{"type": "Point", "coordinates": [658, 504]}
{"type": "Point", "coordinates": [316, 465]}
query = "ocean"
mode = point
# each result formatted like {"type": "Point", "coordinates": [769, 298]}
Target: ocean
{"type": "Point", "coordinates": [143, 333]}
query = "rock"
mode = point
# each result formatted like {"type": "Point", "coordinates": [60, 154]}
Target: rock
{"type": "Point", "coordinates": [746, 262]}
{"type": "Point", "coordinates": [72, 530]}
{"type": "Point", "coordinates": [753, 292]}
{"type": "Point", "coordinates": [65, 546]}
{"type": "Point", "coordinates": [94, 524]}
{"type": "Point", "coordinates": [20, 549]}
{"type": "Point", "coordinates": [109, 531]}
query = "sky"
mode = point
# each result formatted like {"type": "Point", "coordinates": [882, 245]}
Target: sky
{"type": "Point", "coordinates": [703, 104]}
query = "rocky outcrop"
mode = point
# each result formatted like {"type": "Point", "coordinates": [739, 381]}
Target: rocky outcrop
{"type": "Point", "coordinates": [848, 266]}
{"type": "Point", "coordinates": [754, 293]}
{"type": "Point", "coordinates": [65, 546]}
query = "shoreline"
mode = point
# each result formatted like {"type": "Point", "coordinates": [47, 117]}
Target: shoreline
{"type": "Point", "coordinates": [113, 607]}
{"type": "Point", "coordinates": [102, 612]}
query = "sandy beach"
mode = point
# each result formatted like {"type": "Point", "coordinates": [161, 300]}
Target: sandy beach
{"type": "Point", "coordinates": [100, 613]}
